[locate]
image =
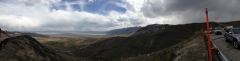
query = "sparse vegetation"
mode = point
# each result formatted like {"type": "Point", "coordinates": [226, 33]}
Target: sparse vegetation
{"type": "Point", "coordinates": [146, 40]}
{"type": "Point", "coordinates": [151, 43]}
{"type": "Point", "coordinates": [66, 41]}
{"type": "Point", "coordinates": [55, 43]}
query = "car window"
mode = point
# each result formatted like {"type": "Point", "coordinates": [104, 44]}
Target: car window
{"type": "Point", "coordinates": [236, 31]}
{"type": "Point", "coordinates": [218, 28]}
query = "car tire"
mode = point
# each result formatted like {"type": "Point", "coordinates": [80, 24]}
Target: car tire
{"type": "Point", "coordinates": [218, 33]}
{"type": "Point", "coordinates": [236, 45]}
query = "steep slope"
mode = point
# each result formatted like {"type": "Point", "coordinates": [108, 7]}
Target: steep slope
{"type": "Point", "coordinates": [192, 49]}
{"type": "Point", "coordinates": [146, 40]}
{"type": "Point", "coordinates": [25, 48]}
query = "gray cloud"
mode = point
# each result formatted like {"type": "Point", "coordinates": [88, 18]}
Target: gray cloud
{"type": "Point", "coordinates": [193, 10]}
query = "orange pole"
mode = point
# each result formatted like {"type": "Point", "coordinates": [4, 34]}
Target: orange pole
{"type": "Point", "coordinates": [202, 29]}
{"type": "Point", "coordinates": [208, 35]}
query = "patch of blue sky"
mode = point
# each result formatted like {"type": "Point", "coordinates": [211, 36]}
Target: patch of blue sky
{"type": "Point", "coordinates": [102, 7]}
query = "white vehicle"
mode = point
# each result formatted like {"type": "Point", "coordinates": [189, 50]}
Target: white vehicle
{"type": "Point", "coordinates": [218, 31]}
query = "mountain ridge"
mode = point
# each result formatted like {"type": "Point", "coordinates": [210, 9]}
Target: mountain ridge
{"type": "Point", "coordinates": [142, 41]}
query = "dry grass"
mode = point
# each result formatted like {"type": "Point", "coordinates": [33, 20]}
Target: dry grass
{"type": "Point", "coordinates": [66, 41]}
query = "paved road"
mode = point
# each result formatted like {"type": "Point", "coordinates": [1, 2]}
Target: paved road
{"type": "Point", "coordinates": [226, 47]}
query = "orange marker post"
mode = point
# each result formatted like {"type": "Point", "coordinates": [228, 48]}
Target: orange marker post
{"type": "Point", "coordinates": [208, 37]}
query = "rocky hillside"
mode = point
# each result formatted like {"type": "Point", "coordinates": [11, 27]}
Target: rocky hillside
{"type": "Point", "coordinates": [26, 48]}
{"type": "Point", "coordinates": [192, 49]}
{"type": "Point", "coordinates": [146, 40]}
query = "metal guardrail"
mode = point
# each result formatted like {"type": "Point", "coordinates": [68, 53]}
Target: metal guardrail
{"type": "Point", "coordinates": [220, 54]}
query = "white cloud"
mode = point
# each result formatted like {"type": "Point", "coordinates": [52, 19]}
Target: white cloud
{"type": "Point", "coordinates": [136, 5]}
{"type": "Point", "coordinates": [38, 15]}
{"type": "Point", "coordinates": [15, 21]}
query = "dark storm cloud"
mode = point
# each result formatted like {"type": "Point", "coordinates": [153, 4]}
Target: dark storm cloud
{"type": "Point", "coordinates": [193, 10]}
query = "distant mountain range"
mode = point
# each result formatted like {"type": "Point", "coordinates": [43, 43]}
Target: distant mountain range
{"type": "Point", "coordinates": [123, 31]}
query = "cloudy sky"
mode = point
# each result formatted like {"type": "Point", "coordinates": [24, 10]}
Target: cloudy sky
{"type": "Point", "coordinates": [102, 15]}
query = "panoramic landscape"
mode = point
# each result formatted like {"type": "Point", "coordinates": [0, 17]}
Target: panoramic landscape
{"type": "Point", "coordinates": [119, 30]}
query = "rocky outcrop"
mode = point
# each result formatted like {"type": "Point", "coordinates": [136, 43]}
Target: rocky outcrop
{"type": "Point", "coordinates": [25, 48]}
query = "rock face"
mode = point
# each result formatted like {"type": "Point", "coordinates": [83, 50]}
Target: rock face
{"type": "Point", "coordinates": [25, 48]}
